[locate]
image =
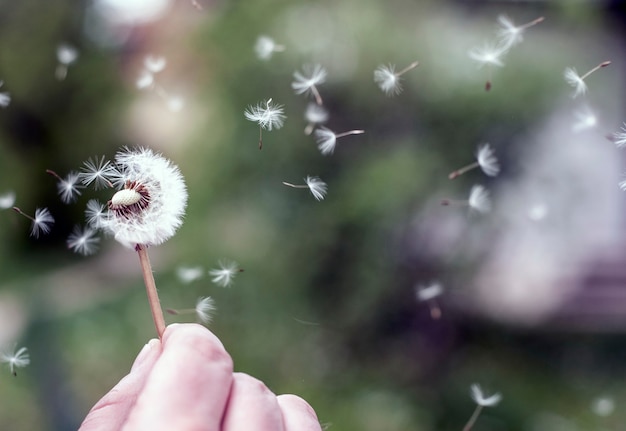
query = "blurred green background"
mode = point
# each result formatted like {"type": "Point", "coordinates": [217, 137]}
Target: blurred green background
{"type": "Point", "coordinates": [326, 305]}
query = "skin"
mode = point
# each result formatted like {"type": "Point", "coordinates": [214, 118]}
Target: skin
{"type": "Point", "coordinates": [186, 382]}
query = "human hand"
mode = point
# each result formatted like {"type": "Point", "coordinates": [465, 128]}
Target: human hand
{"type": "Point", "coordinates": [186, 383]}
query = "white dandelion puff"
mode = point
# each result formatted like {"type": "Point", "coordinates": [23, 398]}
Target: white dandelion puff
{"type": "Point", "coordinates": [267, 115]}
{"type": "Point", "coordinates": [481, 401]}
{"type": "Point", "coordinates": [5, 98]}
{"type": "Point", "coordinates": [16, 359]}
{"type": "Point", "coordinates": [620, 137]}
{"type": "Point", "coordinates": [308, 80]}
{"type": "Point", "coordinates": [100, 172]}
{"type": "Point", "coordinates": [66, 55]}
{"type": "Point", "coordinates": [314, 115]}
{"type": "Point", "coordinates": [577, 81]}
{"type": "Point", "coordinates": [41, 223]}
{"type": "Point", "coordinates": [7, 200]}
{"type": "Point", "coordinates": [489, 55]}
{"type": "Point", "coordinates": [188, 274]}
{"type": "Point", "coordinates": [265, 47]}
{"type": "Point", "coordinates": [510, 34]}
{"type": "Point", "coordinates": [485, 160]}
{"type": "Point", "coordinates": [478, 201]}
{"type": "Point", "coordinates": [388, 79]}
{"type": "Point", "coordinates": [68, 187]}
{"type": "Point", "coordinates": [95, 214]}
{"type": "Point", "coordinates": [316, 186]}
{"type": "Point", "coordinates": [225, 274]}
{"type": "Point", "coordinates": [205, 308]}
{"type": "Point", "coordinates": [83, 241]}
{"type": "Point", "coordinates": [327, 139]}
{"type": "Point", "coordinates": [154, 64]}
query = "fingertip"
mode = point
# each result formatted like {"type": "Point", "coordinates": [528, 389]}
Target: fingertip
{"type": "Point", "coordinates": [179, 338]}
{"type": "Point", "coordinates": [298, 414]}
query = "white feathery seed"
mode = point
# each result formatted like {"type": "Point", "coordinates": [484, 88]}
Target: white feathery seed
{"type": "Point", "coordinates": [5, 98]}
{"type": "Point", "coordinates": [154, 64]}
{"type": "Point", "coordinates": [575, 80]}
{"type": "Point", "coordinates": [69, 187]}
{"type": "Point", "coordinates": [386, 77]}
{"type": "Point", "coordinates": [488, 54]}
{"type": "Point", "coordinates": [187, 274]}
{"type": "Point", "coordinates": [308, 80]}
{"type": "Point", "coordinates": [205, 308]}
{"type": "Point", "coordinates": [620, 137]}
{"type": "Point", "coordinates": [487, 160]}
{"type": "Point", "coordinates": [7, 200]}
{"type": "Point", "coordinates": [83, 240]}
{"type": "Point", "coordinates": [267, 114]}
{"type": "Point", "coordinates": [100, 172]}
{"type": "Point", "coordinates": [509, 34]}
{"type": "Point", "coordinates": [479, 200]}
{"type": "Point", "coordinates": [15, 359]}
{"type": "Point", "coordinates": [225, 274]}
{"type": "Point", "coordinates": [317, 187]}
{"type": "Point", "coordinates": [41, 223]}
{"type": "Point", "coordinates": [265, 47]}
{"type": "Point", "coordinates": [481, 399]}
{"type": "Point", "coordinates": [428, 292]}
{"type": "Point", "coordinates": [95, 214]}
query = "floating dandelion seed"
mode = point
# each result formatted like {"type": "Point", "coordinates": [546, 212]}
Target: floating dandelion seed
{"type": "Point", "coordinates": [481, 401]}
{"type": "Point", "coordinates": [510, 34]}
{"type": "Point", "coordinates": [204, 310]}
{"type": "Point", "coordinates": [268, 116]}
{"type": "Point", "coordinates": [188, 274]}
{"type": "Point", "coordinates": [316, 186]}
{"type": "Point", "coordinates": [225, 274]}
{"type": "Point", "coordinates": [145, 80]}
{"type": "Point", "coordinates": [66, 55]}
{"type": "Point", "coordinates": [314, 115]}
{"type": "Point", "coordinates": [41, 223]}
{"type": "Point", "coordinates": [485, 160]}
{"type": "Point", "coordinates": [265, 47]}
{"type": "Point", "coordinates": [101, 173]}
{"type": "Point", "coordinates": [154, 64]}
{"type": "Point", "coordinates": [478, 200]}
{"type": "Point", "coordinates": [96, 214]}
{"type": "Point", "coordinates": [584, 119]}
{"type": "Point", "coordinates": [16, 359]}
{"type": "Point", "coordinates": [7, 200]}
{"type": "Point", "coordinates": [5, 98]}
{"type": "Point", "coordinates": [68, 187]}
{"type": "Point", "coordinates": [308, 81]}
{"type": "Point", "coordinates": [83, 241]}
{"type": "Point", "coordinates": [620, 137]}
{"type": "Point", "coordinates": [327, 139]}
{"type": "Point", "coordinates": [488, 55]}
{"type": "Point", "coordinates": [429, 294]}
{"type": "Point", "coordinates": [388, 79]}
{"type": "Point", "coordinates": [577, 81]}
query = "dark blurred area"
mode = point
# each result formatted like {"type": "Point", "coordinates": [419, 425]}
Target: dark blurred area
{"type": "Point", "coordinates": [533, 301]}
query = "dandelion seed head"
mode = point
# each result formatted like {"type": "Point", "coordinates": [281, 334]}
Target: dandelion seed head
{"type": "Point", "coordinates": [205, 308]}
{"type": "Point", "coordinates": [385, 77]}
{"type": "Point", "coordinates": [16, 359]}
{"type": "Point", "coordinates": [83, 240]}
{"type": "Point", "coordinates": [7, 200]}
{"type": "Point", "coordinates": [479, 397]}
{"type": "Point", "coordinates": [311, 76]}
{"type": "Point", "coordinates": [267, 114]}
{"type": "Point", "coordinates": [479, 200]}
{"type": "Point", "coordinates": [317, 187]}
{"type": "Point", "coordinates": [326, 140]}
{"type": "Point", "coordinates": [487, 160]}
{"type": "Point", "coordinates": [225, 274]}
{"type": "Point", "coordinates": [42, 223]}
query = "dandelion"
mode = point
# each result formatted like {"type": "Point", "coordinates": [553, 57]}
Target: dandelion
{"type": "Point", "coordinates": [100, 172]}
{"type": "Point", "coordinates": [16, 359]}
{"type": "Point", "coordinates": [316, 186]}
{"type": "Point", "coordinates": [187, 274]}
{"type": "Point", "coordinates": [154, 64]}
{"type": "Point", "coordinates": [204, 310]}
{"type": "Point", "coordinates": [7, 200]}
{"type": "Point", "coordinates": [41, 223]}
{"type": "Point", "coordinates": [481, 401]}
{"type": "Point", "coordinates": [5, 98]}
{"type": "Point", "coordinates": [584, 119]}
{"type": "Point", "coordinates": [620, 137]}
{"type": "Point", "coordinates": [488, 55]}
{"type": "Point", "coordinates": [83, 241]}
{"type": "Point", "coordinates": [268, 115]}
{"type": "Point", "coordinates": [429, 294]}
{"type": "Point", "coordinates": [485, 160]}
{"type": "Point", "coordinates": [308, 81]}
{"type": "Point", "coordinates": [95, 214]}
{"type": "Point", "coordinates": [265, 47]}
{"type": "Point", "coordinates": [224, 275]}
{"type": "Point", "coordinates": [327, 139]}
{"type": "Point", "coordinates": [314, 115]}
{"type": "Point", "coordinates": [478, 200]}
{"type": "Point", "coordinates": [147, 211]}
{"type": "Point", "coordinates": [388, 79]}
{"type": "Point", "coordinates": [510, 34]}
{"type": "Point", "coordinates": [66, 55]}
{"type": "Point", "coordinates": [68, 187]}
{"type": "Point", "coordinates": [577, 81]}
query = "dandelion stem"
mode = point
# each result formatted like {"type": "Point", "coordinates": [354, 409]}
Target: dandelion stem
{"type": "Point", "coordinates": [349, 132]}
{"type": "Point", "coordinates": [296, 186]}
{"type": "Point", "coordinates": [183, 311]}
{"type": "Point", "coordinates": [409, 67]}
{"type": "Point", "coordinates": [599, 66]}
{"type": "Point", "coordinates": [470, 423]}
{"type": "Point", "coordinates": [260, 138]}
{"type": "Point", "coordinates": [19, 211]}
{"type": "Point", "coordinates": [151, 290]}
{"type": "Point", "coordinates": [54, 174]}
{"type": "Point", "coordinates": [530, 24]}
{"type": "Point", "coordinates": [462, 170]}
{"type": "Point", "coordinates": [316, 94]}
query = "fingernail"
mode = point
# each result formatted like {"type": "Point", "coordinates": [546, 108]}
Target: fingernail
{"type": "Point", "coordinates": [143, 354]}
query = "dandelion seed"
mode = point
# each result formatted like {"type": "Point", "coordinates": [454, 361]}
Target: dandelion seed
{"type": "Point", "coordinates": [429, 294]}
{"type": "Point", "coordinates": [145, 80]}
{"type": "Point", "coordinates": [603, 406]}
{"type": "Point", "coordinates": [388, 79]}
{"type": "Point", "coordinates": [577, 81]}
{"type": "Point", "coordinates": [225, 274]}
{"type": "Point", "coordinates": [16, 359]}
{"type": "Point", "coordinates": [188, 274]}
{"type": "Point", "coordinates": [316, 186]}
{"type": "Point", "coordinates": [315, 114]}
{"type": "Point", "coordinates": [510, 34]}
{"type": "Point", "coordinates": [204, 310]}
{"type": "Point", "coordinates": [95, 214]}
{"type": "Point", "coordinates": [481, 401]}
{"type": "Point", "coordinates": [175, 104]}
{"type": "Point", "coordinates": [308, 81]}
{"type": "Point", "coordinates": [83, 241]}
{"type": "Point", "coordinates": [584, 119]}
{"type": "Point", "coordinates": [265, 47]}
{"type": "Point", "coordinates": [485, 160]}
{"type": "Point", "coordinates": [68, 187]}
{"type": "Point", "coordinates": [620, 137]}
{"type": "Point", "coordinates": [154, 64]}
{"type": "Point", "coordinates": [66, 55]}
{"type": "Point", "coordinates": [41, 223]}
{"type": "Point", "coordinates": [100, 172]}
{"type": "Point", "coordinates": [5, 98]}
{"type": "Point", "coordinates": [327, 139]}
{"type": "Point", "coordinates": [488, 55]}
{"type": "Point", "coordinates": [7, 200]}
{"type": "Point", "coordinates": [478, 200]}
{"type": "Point", "coordinates": [268, 116]}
